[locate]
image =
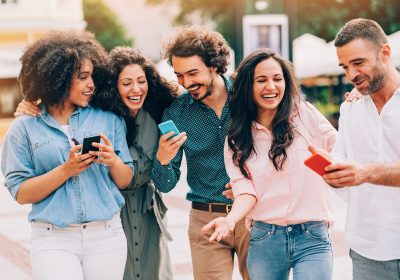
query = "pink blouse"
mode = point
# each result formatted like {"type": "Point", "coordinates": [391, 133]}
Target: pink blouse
{"type": "Point", "coordinates": [295, 194]}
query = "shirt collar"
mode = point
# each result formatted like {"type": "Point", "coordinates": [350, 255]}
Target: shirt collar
{"type": "Point", "coordinates": [44, 112]}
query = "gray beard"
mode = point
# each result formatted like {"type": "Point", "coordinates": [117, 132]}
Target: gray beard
{"type": "Point", "coordinates": [376, 84]}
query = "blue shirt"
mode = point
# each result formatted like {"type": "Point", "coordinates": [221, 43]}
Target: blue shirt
{"type": "Point", "coordinates": [204, 150]}
{"type": "Point", "coordinates": [35, 145]}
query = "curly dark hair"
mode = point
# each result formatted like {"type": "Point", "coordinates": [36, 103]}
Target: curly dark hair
{"type": "Point", "coordinates": [159, 96]}
{"type": "Point", "coordinates": [244, 111]}
{"type": "Point", "coordinates": [49, 64]}
{"type": "Point", "coordinates": [202, 41]}
{"type": "Point", "coordinates": [361, 28]}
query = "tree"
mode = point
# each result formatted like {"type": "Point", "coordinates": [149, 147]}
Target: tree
{"type": "Point", "coordinates": [322, 18]}
{"type": "Point", "coordinates": [105, 25]}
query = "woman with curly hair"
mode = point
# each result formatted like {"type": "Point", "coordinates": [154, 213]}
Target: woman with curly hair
{"type": "Point", "coordinates": [76, 202]}
{"type": "Point", "coordinates": [139, 94]}
{"type": "Point", "coordinates": [136, 92]}
{"type": "Point", "coordinates": [288, 205]}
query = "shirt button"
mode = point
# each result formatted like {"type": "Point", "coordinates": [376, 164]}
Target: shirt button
{"type": "Point", "coordinates": [134, 227]}
{"type": "Point", "coordinates": [289, 229]}
{"type": "Point", "coordinates": [219, 126]}
{"type": "Point", "coordinates": [84, 226]}
{"type": "Point", "coordinates": [134, 211]}
{"type": "Point", "coordinates": [136, 243]}
{"type": "Point", "coordinates": [140, 172]}
{"type": "Point", "coordinates": [137, 259]}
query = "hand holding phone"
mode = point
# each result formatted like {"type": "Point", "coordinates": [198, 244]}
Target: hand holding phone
{"type": "Point", "coordinates": [317, 162]}
{"type": "Point", "coordinates": [87, 144]}
{"type": "Point", "coordinates": [168, 126]}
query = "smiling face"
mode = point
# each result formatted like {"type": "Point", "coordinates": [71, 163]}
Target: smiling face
{"type": "Point", "coordinates": [133, 87]}
{"type": "Point", "coordinates": [82, 86]}
{"type": "Point", "coordinates": [363, 64]}
{"type": "Point", "coordinates": [268, 87]}
{"type": "Point", "coordinates": [194, 75]}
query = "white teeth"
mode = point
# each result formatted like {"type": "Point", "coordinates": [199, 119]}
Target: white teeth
{"type": "Point", "coordinates": [194, 88]}
{"type": "Point", "coordinates": [134, 98]}
{"type": "Point", "coordinates": [269, 96]}
{"type": "Point", "coordinates": [88, 93]}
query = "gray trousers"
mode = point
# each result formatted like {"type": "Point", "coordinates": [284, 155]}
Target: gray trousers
{"type": "Point", "coordinates": [367, 269]}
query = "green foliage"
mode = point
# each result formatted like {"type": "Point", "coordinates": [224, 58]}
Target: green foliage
{"type": "Point", "coordinates": [105, 25]}
{"type": "Point", "coordinates": [322, 18]}
{"type": "Point", "coordinates": [326, 109]}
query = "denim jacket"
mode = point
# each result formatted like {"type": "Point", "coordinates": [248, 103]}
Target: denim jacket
{"type": "Point", "coordinates": [35, 145]}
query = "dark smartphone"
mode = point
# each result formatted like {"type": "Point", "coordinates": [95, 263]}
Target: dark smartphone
{"type": "Point", "coordinates": [317, 162]}
{"type": "Point", "coordinates": [168, 126]}
{"type": "Point", "coordinates": [87, 144]}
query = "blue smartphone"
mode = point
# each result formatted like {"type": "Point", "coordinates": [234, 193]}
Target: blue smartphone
{"type": "Point", "coordinates": [168, 126]}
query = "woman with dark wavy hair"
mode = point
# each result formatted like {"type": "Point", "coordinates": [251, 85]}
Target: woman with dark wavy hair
{"type": "Point", "coordinates": [76, 202]}
{"type": "Point", "coordinates": [287, 204]}
{"type": "Point", "coordinates": [136, 91]}
{"type": "Point", "coordinates": [139, 94]}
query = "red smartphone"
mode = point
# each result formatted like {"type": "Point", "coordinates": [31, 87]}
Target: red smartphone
{"type": "Point", "coordinates": [317, 162]}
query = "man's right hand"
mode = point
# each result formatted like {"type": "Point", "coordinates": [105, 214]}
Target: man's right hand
{"type": "Point", "coordinates": [28, 108]}
{"type": "Point", "coordinates": [168, 148]}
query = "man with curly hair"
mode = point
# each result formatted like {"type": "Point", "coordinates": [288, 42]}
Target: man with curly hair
{"type": "Point", "coordinates": [200, 58]}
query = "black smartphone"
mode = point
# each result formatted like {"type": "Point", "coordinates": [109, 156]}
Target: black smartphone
{"type": "Point", "coordinates": [87, 144]}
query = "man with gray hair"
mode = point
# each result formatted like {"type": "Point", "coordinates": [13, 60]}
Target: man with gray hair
{"type": "Point", "coordinates": [367, 153]}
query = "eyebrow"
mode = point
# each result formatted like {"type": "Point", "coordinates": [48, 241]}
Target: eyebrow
{"type": "Point", "coordinates": [128, 78]}
{"type": "Point", "coordinates": [191, 70]}
{"type": "Point", "coordinates": [353, 60]}
{"type": "Point", "coordinates": [83, 72]}
{"type": "Point", "coordinates": [263, 76]}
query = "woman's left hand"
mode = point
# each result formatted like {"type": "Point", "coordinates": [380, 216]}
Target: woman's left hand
{"type": "Point", "coordinates": [106, 154]}
{"type": "Point", "coordinates": [222, 226]}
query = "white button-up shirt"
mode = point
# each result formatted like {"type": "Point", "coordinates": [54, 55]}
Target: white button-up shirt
{"type": "Point", "coordinates": [373, 214]}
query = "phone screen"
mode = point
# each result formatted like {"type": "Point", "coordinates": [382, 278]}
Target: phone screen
{"type": "Point", "coordinates": [87, 144]}
{"type": "Point", "coordinates": [168, 126]}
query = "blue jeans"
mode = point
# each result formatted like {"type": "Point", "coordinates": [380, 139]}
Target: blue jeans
{"type": "Point", "coordinates": [367, 269]}
{"type": "Point", "coordinates": [274, 250]}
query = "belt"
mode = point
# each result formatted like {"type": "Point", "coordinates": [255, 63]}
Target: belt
{"type": "Point", "coordinates": [212, 207]}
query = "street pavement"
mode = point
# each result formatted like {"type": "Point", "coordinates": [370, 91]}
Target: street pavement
{"type": "Point", "coordinates": [15, 234]}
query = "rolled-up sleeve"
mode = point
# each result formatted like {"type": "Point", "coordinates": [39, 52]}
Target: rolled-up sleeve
{"type": "Point", "coordinates": [120, 144]}
{"type": "Point", "coordinates": [239, 183]}
{"type": "Point", "coordinates": [16, 159]}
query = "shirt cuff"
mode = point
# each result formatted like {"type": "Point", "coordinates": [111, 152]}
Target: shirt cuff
{"type": "Point", "coordinates": [162, 169]}
{"type": "Point", "coordinates": [243, 186]}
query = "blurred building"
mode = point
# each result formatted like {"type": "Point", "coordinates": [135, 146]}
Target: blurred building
{"type": "Point", "coordinates": [149, 25]}
{"type": "Point", "coordinates": [21, 23]}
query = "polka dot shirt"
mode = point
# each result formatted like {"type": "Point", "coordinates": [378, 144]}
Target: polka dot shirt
{"type": "Point", "coordinates": [204, 150]}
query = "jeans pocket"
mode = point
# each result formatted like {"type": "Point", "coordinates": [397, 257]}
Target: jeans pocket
{"type": "Point", "coordinates": [319, 232]}
{"type": "Point", "coordinates": [259, 233]}
{"type": "Point", "coordinates": [40, 232]}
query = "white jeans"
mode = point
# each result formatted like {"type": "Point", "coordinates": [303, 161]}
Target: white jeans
{"type": "Point", "coordinates": [89, 251]}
